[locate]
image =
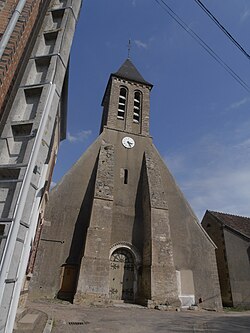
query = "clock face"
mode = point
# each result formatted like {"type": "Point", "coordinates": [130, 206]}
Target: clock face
{"type": "Point", "coordinates": [128, 142]}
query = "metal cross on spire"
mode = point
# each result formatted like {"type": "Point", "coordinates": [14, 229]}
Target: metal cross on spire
{"type": "Point", "coordinates": [129, 48]}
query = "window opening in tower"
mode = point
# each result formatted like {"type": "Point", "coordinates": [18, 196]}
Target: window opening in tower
{"type": "Point", "coordinates": [122, 103]}
{"type": "Point", "coordinates": [137, 107]}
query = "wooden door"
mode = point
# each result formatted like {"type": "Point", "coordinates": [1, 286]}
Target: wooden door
{"type": "Point", "coordinates": [122, 275]}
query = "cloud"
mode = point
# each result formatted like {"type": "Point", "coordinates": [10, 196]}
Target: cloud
{"type": "Point", "coordinates": [225, 190]}
{"type": "Point", "coordinates": [52, 184]}
{"type": "Point", "coordinates": [238, 104]}
{"type": "Point", "coordinates": [140, 44]}
{"type": "Point", "coordinates": [245, 14]}
{"type": "Point", "coordinates": [79, 136]}
{"type": "Point", "coordinates": [244, 144]}
{"type": "Point", "coordinates": [133, 3]}
{"type": "Point", "coordinates": [214, 174]}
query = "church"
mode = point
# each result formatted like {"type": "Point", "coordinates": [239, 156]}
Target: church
{"type": "Point", "coordinates": [117, 227]}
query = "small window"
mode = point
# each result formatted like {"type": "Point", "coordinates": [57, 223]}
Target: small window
{"type": "Point", "coordinates": [9, 173]}
{"type": "Point", "coordinates": [122, 103]}
{"type": "Point", "coordinates": [4, 230]}
{"type": "Point", "coordinates": [2, 226]}
{"type": "Point", "coordinates": [19, 130]}
{"type": "Point", "coordinates": [125, 180]}
{"type": "Point", "coordinates": [137, 107]}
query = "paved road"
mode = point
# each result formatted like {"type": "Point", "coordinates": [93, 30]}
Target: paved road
{"type": "Point", "coordinates": [70, 318]}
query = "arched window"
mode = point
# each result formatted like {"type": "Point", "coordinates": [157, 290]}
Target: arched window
{"type": "Point", "coordinates": [137, 106]}
{"type": "Point", "coordinates": [122, 103]}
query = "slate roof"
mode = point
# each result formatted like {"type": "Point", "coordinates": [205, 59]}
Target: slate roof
{"type": "Point", "coordinates": [238, 223]}
{"type": "Point", "coordinates": [128, 71]}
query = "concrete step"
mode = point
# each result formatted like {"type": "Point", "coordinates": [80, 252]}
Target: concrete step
{"type": "Point", "coordinates": [21, 312]}
{"type": "Point", "coordinates": [28, 322]}
{"type": "Point", "coordinates": [32, 321]}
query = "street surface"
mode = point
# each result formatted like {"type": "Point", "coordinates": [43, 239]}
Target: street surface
{"type": "Point", "coordinates": [126, 318]}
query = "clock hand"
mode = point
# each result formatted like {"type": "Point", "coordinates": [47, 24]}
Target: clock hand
{"type": "Point", "coordinates": [129, 143]}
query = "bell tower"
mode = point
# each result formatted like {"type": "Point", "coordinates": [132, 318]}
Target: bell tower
{"type": "Point", "coordinates": [126, 230]}
{"type": "Point", "coordinates": [126, 101]}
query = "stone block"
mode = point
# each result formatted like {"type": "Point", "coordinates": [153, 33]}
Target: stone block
{"type": "Point", "coordinates": [28, 322]}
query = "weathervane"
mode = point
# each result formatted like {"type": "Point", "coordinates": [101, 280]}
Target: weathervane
{"type": "Point", "coordinates": [129, 48]}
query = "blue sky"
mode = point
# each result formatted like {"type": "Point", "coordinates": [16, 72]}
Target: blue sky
{"type": "Point", "coordinates": [199, 114]}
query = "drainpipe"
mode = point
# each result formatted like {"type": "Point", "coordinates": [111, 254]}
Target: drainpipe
{"type": "Point", "coordinates": [11, 26]}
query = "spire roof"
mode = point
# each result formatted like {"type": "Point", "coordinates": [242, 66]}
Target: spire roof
{"type": "Point", "coordinates": [128, 71]}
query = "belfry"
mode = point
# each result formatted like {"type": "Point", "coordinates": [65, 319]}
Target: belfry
{"type": "Point", "coordinates": [117, 227]}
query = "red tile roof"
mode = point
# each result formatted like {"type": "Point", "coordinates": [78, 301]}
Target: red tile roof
{"type": "Point", "coordinates": [238, 223]}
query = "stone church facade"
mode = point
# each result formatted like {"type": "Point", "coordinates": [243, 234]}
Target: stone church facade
{"type": "Point", "coordinates": [117, 227]}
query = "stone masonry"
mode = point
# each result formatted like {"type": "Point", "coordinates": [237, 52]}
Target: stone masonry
{"type": "Point", "coordinates": [125, 232]}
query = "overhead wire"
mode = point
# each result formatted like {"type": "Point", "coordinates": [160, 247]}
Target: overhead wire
{"type": "Point", "coordinates": [224, 30]}
{"type": "Point", "coordinates": [202, 43]}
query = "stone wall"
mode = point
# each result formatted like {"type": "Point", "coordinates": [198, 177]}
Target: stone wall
{"type": "Point", "coordinates": [237, 258]}
{"type": "Point", "coordinates": [216, 232]}
{"type": "Point", "coordinates": [67, 218]}
{"type": "Point", "coordinates": [94, 270]}
{"type": "Point", "coordinates": [163, 276]}
{"type": "Point", "coordinates": [192, 248]}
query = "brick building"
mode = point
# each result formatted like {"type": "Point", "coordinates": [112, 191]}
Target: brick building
{"type": "Point", "coordinates": [19, 25]}
{"type": "Point", "coordinates": [231, 234]}
{"type": "Point", "coordinates": [125, 232]}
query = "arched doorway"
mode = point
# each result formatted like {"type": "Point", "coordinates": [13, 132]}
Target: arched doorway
{"type": "Point", "coordinates": [123, 282]}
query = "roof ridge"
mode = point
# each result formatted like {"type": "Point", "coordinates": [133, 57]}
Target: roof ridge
{"type": "Point", "coordinates": [240, 224]}
{"type": "Point", "coordinates": [213, 211]}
